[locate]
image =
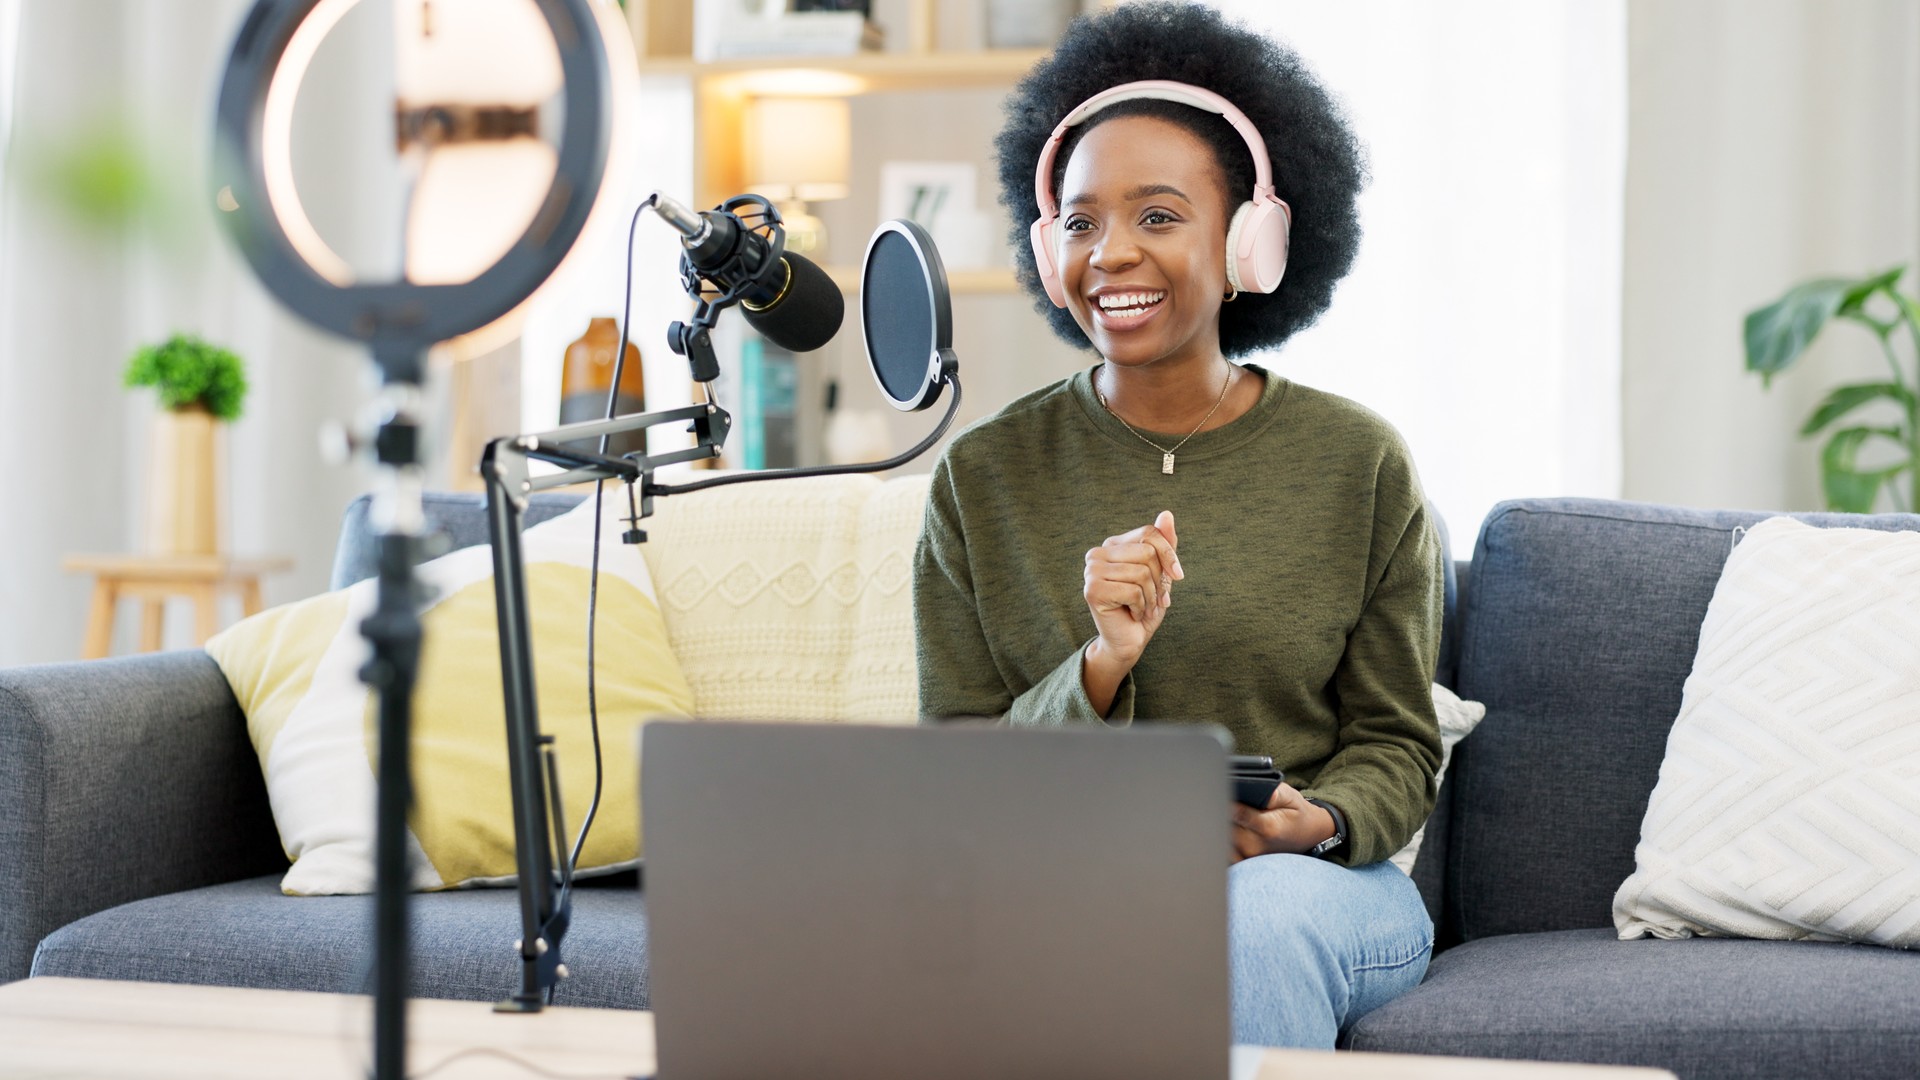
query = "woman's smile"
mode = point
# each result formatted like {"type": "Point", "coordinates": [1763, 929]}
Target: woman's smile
{"type": "Point", "coordinates": [1122, 310]}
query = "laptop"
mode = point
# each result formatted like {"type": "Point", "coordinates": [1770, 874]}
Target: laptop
{"type": "Point", "coordinates": [858, 902]}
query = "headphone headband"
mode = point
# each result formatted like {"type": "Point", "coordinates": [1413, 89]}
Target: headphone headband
{"type": "Point", "coordinates": [1257, 237]}
{"type": "Point", "coordinates": [1156, 90]}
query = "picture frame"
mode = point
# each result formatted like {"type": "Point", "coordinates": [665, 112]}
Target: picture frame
{"type": "Point", "coordinates": [941, 197]}
{"type": "Point", "coordinates": [927, 192]}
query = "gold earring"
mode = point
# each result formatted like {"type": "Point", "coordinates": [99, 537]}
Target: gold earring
{"type": "Point", "coordinates": [1231, 293]}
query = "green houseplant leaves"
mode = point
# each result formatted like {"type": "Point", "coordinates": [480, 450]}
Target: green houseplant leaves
{"type": "Point", "coordinates": [188, 372]}
{"type": "Point", "coordinates": [1776, 335]}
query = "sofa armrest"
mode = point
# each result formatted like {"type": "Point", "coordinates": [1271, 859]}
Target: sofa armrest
{"type": "Point", "coordinates": [121, 779]}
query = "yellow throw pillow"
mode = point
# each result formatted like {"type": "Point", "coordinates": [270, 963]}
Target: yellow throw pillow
{"type": "Point", "coordinates": [295, 670]}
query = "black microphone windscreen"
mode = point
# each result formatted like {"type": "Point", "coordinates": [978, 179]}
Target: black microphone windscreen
{"type": "Point", "coordinates": [808, 316]}
{"type": "Point", "coordinates": [906, 314]}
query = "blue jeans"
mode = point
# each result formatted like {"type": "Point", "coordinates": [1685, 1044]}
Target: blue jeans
{"type": "Point", "coordinates": [1315, 946]}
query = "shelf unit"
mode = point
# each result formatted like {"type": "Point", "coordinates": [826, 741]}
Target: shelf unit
{"type": "Point", "coordinates": [663, 36]}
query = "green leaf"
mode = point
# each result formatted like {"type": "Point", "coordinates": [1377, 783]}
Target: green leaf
{"type": "Point", "coordinates": [1777, 334]}
{"type": "Point", "coordinates": [1908, 307]}
{"type": "Point", "coordinates": [1862, 290]}
{"type": "Point", "coordinates": [1845, 399]}
{"type": "Point", "coordinates": [1848, 489]}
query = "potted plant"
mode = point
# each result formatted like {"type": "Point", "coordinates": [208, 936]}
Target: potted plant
{"type": "Point", "coordinates": [200, 386]}
{"type": "Point", "coordinates": [1777, 334]}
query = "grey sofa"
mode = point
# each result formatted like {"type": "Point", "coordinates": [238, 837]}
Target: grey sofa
{"type": "Point", "coordinates": [135, 839]}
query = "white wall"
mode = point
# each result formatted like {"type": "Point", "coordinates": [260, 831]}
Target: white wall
{"type": "Point", "coordinates": [1770, 141]}
{"type": "Point", "coordinates": [74, 304]}
{"type": "Point", "coordinates": [1482, 316]}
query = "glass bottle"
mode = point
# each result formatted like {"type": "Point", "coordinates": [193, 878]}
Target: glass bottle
{"type": "Point", "coordinates": [587, 375]}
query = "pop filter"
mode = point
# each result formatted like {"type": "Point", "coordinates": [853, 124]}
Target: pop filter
{"type": "Point", "coordinates": [906, 316]}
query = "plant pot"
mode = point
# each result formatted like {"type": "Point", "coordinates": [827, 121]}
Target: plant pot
{"type": "Point", "coordinates": [185, 491]}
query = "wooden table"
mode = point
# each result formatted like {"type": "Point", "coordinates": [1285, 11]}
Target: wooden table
{"type": "Point", "coordinates": [153, 579]}
{"type": "Point", "coordinates": [73, 1028]}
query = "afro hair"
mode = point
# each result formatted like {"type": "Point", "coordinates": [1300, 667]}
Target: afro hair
{"type": "Point", "coordinates": [1318, 165]}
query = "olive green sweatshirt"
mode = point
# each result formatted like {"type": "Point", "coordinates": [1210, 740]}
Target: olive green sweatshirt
{"type": "Point", "coordinates": [1307, 625]}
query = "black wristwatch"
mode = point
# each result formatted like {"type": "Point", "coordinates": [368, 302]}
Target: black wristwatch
{"type": "Point", "coordinates": [1339, 837]}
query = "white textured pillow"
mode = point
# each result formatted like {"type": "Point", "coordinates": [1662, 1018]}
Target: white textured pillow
{"type": "Point", "coordinates": [792, 599]}
{"type": "Point", "coordinates": [1457, 720]}
{"type": "Point", "coordinates": [1789, 799]}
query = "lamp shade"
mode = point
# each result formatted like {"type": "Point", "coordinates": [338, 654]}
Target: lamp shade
{"type": "Point", "coordinates": [798, 147]}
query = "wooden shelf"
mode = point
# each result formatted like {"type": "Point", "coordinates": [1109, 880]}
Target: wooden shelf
{"type": "Point", "coordinates": [959, 282]}
{"type": "Point", "coordinates": [723, 89]}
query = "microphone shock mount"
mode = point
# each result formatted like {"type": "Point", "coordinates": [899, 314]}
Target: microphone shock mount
{"type": "Point", "coordinates": [744, 264]}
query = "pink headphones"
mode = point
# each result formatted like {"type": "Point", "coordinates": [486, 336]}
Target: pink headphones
{"type": "Point", "coordinates": [1257, 239]}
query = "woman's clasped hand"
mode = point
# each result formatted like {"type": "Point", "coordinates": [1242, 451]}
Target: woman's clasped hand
{"type": "Point", "coordinates": [1129, 586]}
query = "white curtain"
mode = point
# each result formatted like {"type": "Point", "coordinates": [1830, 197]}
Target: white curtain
{"type": "Point", "coordinates": [9, 59]}
{"type": "Point", "coordinates": [1482, 317]}
{"type": "Point", "coordinates": [75, 301]}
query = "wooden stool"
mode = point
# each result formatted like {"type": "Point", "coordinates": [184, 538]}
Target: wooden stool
{"type": "Point", "coordinates": [153, 579]}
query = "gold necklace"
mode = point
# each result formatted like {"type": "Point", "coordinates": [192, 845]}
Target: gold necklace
{"type": "Point", "coordinates": [1166, 452]}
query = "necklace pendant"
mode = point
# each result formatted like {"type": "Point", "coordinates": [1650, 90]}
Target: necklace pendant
{"type": "Point", "coordinates": [1166, 464]}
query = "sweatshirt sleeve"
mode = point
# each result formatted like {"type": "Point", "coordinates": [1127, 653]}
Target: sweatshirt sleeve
{"type": "Point", "coordinates": [1382, 775]}
{"type": "Point", "coordinates": [959, 677]}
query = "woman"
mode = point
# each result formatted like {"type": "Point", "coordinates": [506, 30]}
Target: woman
{"type": "Point", "coordinates": [1267, 563]}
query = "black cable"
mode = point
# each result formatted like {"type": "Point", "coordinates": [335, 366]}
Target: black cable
{"type": "Point", "coordinates": [824, 470]}
{"type": "Point", "coordinates": [593, 575]}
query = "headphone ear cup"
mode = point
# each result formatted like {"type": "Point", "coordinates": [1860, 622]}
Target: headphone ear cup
{"type": "Point", "coordinates": [1234, 280]}
{"type": "Point", "coordinates": [1040, 236]}
{"type": "Point", "coordinates": [1257, 245]}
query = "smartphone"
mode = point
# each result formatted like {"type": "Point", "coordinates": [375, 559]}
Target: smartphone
{"type": "Point", "coordinates": [1254, 779]}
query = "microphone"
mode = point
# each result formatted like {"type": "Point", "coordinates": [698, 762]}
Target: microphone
{"type": "Point", "coordinates": [790, 300]}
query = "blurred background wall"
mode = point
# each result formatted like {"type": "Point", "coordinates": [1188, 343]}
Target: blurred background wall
{"type": "Point", "coordinates": [78, 292]}
{"type": "Point", "coordinates": [1574, 205]}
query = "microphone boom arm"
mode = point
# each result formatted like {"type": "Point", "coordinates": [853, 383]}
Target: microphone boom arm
{"type": "Point", "coordinates": [546, 903]}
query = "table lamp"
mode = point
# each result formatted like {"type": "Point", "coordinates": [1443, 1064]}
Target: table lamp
{"type": "Point", "coordinates": [797, 153]}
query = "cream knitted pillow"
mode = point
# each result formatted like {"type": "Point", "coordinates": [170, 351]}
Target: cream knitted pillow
{"type": "Point", "coordinates": [1789, 799]}
{"type": "Point", "coordinates": [1457, 720]}
{"type": "Point", "coordinates": [792, 599]}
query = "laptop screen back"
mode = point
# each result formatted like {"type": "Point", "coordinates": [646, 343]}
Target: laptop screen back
{"type": "Point", "coordinates": [852, 901]}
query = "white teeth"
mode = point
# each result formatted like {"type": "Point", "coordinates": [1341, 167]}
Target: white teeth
{"type": "Point", "coordinates": [1129, 303]}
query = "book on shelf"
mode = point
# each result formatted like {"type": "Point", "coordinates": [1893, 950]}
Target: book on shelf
{"type": "Point", "coordinates": [721, 32]}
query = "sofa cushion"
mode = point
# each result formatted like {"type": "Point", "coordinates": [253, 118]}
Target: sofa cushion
{"type": "Point", "coordinates": [1579, 630]}
{"type": "Point", "coordinates": [1790, 793]}
{"type": "Point", "coordinates": [1457, 721]}
{"type": "Point", "coordinates": [1706, 1008]}
{"type": "Point", "coordinates": [246, 933]}
{"type": "Point", "coordinates": [296, 671]}
{"type": "Point", "coordinates": [791, 599]}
